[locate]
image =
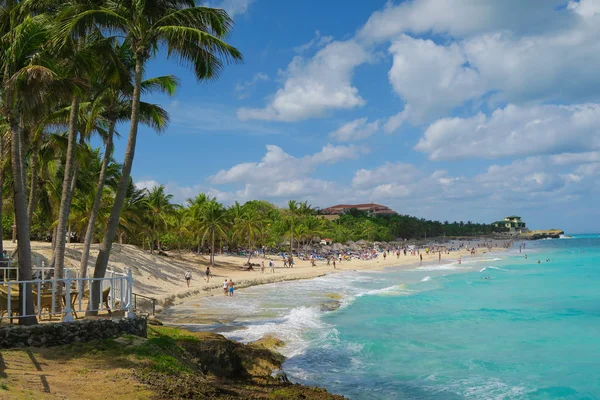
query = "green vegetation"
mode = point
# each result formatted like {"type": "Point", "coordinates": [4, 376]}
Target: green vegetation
{"type": "Point", "coordinates": [170, 364]}
{"type": "Point", "coordinates": [205, 224]}
{"type": "Point", "coordinates": [75, 69]}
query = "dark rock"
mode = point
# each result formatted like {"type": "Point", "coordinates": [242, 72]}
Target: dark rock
{"type": "Point", "coordinates": [54, 334]}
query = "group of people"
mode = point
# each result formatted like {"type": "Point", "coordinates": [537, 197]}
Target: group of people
{"type": "Point", "coordinates": [207, 276]}
{"type": "Point", "coordinates": [228, 285]}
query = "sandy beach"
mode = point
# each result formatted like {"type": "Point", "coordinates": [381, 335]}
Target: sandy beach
{"type": "Point", "coordinates": [163, 277]}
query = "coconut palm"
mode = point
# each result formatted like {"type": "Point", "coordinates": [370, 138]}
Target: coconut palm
{"type": "Point", "coordinates": [160, 209]}
{"type": "Point", "coordinates": [112, 104]}
{"type": "Point", "coordinates": [293, 211]}
{"type": "Point", "coordinates": [27, 77]}
{"type": "Point", "coordinates": [196, 206]}
{"type": "Point", "coordinates": [249, 226]}
{"type": "Point", "coordinates": [213, 223]}
{"type": "Point", "coordinates": [194, 35]}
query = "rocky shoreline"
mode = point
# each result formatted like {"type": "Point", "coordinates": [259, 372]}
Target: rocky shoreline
{"type": "Point", "coordinates": [170, 364]}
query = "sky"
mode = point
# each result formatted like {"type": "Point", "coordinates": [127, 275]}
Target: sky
{"type": "Point", "coordinates": [442, 109]}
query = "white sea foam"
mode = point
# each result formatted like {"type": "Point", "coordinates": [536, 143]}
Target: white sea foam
{"type": "Point", "coordinates": [426, 279]}
{"type": "Point", "coordinates": [290, 328]}
{"type": "Point", "coordinates": [483, 388]}
{"type": "Point", "coordinates": [394, 290]}
{"type": "Point", "coordinates": [452, 266]}
{"type": "Point", "coordinates": [497, 268]}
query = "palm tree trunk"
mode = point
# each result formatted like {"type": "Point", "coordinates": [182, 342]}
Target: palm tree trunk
{"type": "Point", "coordinates": [115, 214]}
{"type": "Point", "coordinates": [1, 190]}
{"type": "Point", "coordinates": [33, 187]}
{"type": "Point", "coordinates": [153, 233]}
{"type": "Point", "coordinates": [249, 250]}
{"type": "Point", "coordinates": [67, 193]}
{"type": "Point", "coordinates": [21, 222]}
{"type": "Point", "coordinates": [292, 240]}
{"type": "Point", "coordinates": [212, 249]}
{"type": "Point", "coordinates": [89, 233]}
{"type": "Point", "coordinates": [14, 227]}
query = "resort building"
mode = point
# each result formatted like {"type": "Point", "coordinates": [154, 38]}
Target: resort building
{"type": "Point", "coordinates": [513, 223]}
{"type": "Point", "coordinates": [370, 208]}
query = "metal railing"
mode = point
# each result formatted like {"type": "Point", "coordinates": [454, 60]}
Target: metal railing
{"type": "Point", "coordinates": [50, 296]}
{"type": "Point", "coordinates": [144, 304]}
{"type": "Point", "coordinates": [9, 270]}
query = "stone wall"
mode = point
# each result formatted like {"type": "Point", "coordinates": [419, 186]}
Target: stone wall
{"type": "Point", "coordinates": [56, 334]}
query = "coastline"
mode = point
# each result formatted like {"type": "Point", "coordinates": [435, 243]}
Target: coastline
{"type": "Point", "coordinates": [220, 317]}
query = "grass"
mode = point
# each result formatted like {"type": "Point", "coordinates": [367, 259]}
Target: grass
{"type": "Point", "coordinates": [169, 364]}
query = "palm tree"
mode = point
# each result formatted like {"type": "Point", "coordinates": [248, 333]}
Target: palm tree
{"type": "Point", "coordinates": [213, 223]}
{"type": "Point", "coordinates": [293, 211]}
{"type": "Point", "coordinates": [24, 84]}
{"type": "Point", "coordinates": [113, 104]}
{"type": "Point", "coordinates": [133, 216]}
{"type": "Point", "coordinates": [179, 224]}
{"type": "Point", "coordinates": [196, 205]}
{"type": "Point", "coordinates": [192, 34]}
{"type": "Point", "coordinates": [160, 208]}
{"type": "Point", "coordinates": [249, 226]}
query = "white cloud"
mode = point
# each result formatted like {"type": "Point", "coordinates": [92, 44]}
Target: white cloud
{"type": "Point", "coordinates": [355, 130]}
{"type": "Point", "coordinates": [315, 86]}
{"type": "Point", "coordinates": [432, 78]}
{"type": "Point", "coordinates": [279, 166]}
{"type": "Point", "coordinates": [545, 52]}
{"type": "Point", "coordinates": [386, 173]}
{"type": "Point", "coordinates": [317, 41]}
{"type": "Point", "coordinates": [514, 131]}
{"type": "Point", "coordinates": [460, 18]}
{"type": "Point", "coordinates": [147, 184]}
{"type": "Point", "coordinates": [234, 7]}
{"type": "Point", "coordinates": [244, 89]}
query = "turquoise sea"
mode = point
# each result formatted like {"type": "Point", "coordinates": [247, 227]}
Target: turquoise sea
{"type": "Point", "coordinates": [497, 327]}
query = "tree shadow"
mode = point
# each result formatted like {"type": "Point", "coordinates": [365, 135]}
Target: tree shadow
{"type": "Point", "coordinates": [2, 367]}
{"type": "Point", "coordinates": [38, 367]}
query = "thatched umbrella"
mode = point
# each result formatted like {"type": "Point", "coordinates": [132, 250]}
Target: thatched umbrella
{"type": "Point", "coordinates": [355, 247]}
{"type": "Point", "coordinates": [338, 247]}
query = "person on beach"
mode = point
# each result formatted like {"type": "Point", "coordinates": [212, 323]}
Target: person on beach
{"type": "Point", "coordinates": [262, 267]}
{"type": "Point", "coordinates": [225, 286]}
{"type": "Point", "coordinates": [208, 274]}
{"type": "Point", "coordinates": [272, 266]}
{"type": "Point", "coordinates": [440, 257]}
{"type": "Point", "coordinates": [328, 261]}
{"type": "Point", "coordinates": [230, 286]}
{"type": "Point", "coordinates": [421, 256]}
{"type": "Point", "coordinates": [188, 278]}
{"type": "Point", "coordinates": [384, 255]}
{"type": "Point", "coordinates": [334, 263]}
{"type": "Point", "coordinates": [284, 262]}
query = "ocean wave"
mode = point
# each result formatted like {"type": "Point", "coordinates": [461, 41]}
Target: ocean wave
{"type": "Point", "coordinates": [483, 388]}
{"type": "Point", "coordinates": [452, 266]}
{"type": "Point", "coordinates": [497, 268]}
{"type": "Point", "coordinates": [401, 289]}
{"type": "Point", "coordinates": [426, 279]}
{"type": "Point", "coordinates": [291, 329]}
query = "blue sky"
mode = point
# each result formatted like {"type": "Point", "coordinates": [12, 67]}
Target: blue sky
{"type": "Point", "coordinates": [443, 109]}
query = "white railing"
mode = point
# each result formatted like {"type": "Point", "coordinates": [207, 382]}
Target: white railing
{"type": "Point", "coordinates": [9, 270]}
{"type": "Point", "coordinates": [50, 296]}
